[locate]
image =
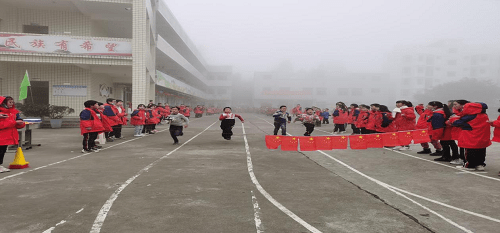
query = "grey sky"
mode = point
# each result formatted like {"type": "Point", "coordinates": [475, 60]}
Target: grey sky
{"type": "Point", "coordinates": [256, 35]}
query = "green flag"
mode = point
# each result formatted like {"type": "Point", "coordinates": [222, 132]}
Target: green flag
{"type": "Point", "coordinates": [23, 93]}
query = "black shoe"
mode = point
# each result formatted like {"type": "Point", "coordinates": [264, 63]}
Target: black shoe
{"type": "Point", "coordinates": [181, 134]}
{"type": "Point", "coordinates": [437, 153]}
{"type": "Point", "coordinates": [227, 138]}
{"type": "Point", "coordinates": [442, 159]}
{"type": "Point", "coordinates": [98, 147]}
{"type": "Point", "coordinates": [109, 140]}
{"type": "Point", "coordinates": [176, 143]}
{"type": "Point", "coordinates": [425, 151]}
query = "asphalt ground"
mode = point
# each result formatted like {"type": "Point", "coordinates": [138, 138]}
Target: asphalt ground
{"type": "Point", "coordinates": [208, 184]}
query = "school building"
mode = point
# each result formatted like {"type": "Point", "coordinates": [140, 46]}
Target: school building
{"type": "Point", "coordinates": [76, 50]}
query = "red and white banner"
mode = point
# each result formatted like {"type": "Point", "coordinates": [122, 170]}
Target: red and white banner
{"type": "Point", "coordinates": [355, 142]}
{"type": "Point", "coordinates": [22, 43]}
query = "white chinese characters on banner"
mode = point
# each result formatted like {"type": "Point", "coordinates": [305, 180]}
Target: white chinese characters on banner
{"type": "Point", "coordinates": [68, 90]}
{"type": "Point", "coordinates": [63, 44]}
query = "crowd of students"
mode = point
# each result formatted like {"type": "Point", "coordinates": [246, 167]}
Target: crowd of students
{"type": "Point", "coordinates": [457, 121]}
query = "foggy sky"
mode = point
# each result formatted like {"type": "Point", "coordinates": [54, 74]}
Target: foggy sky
{"type": "Point", "coordinates": [257, 35]}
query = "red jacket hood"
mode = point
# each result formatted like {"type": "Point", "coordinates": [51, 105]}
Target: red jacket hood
{"type": "Point", "coordinates": [12, 110]}
{"type": "Point", "coordinates": [474, 108]}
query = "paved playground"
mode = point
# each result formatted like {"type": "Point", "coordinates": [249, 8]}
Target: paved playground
{"type": "Point", "coordinates": [208, 184]}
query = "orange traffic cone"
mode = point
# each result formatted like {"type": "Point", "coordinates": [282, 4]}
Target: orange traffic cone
{"type": "Point", "coordinates": [19, 161]}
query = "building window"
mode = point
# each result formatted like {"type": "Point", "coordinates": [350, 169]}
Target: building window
{"type": "Point", "coordinates": [221, 77]}
{"type": "Point", "coordinates": [452, 50]}
{"type": "Point", "coordinates": [451, 74]}
{"type": "Point", "coordinates": [375, 90]}
{"type": "Point", "coordinates": [211, 77]}
{"type": "Point", "coordinates": [266, 89]}
{"type": "Point", "coordinates": [406, 81]}
{"type": "Point", "coordinates": [482, 71]}
{"type": "Point", "coordinates": [420, 70]}
{"type": "Point", "coordinates": [35, 29]}
{"type": "Point", "coordinates": [222, 91]}
{"type": "Point", "coordinates": [343, 91]}
{"type": "Point", "coordinates": [407, 58]}
{"type": "Point", "coordinates": [376, 78]}
{"type": "Point", "coordinates": [308, 90]}
{"type": "Point", "coordinates": [321, 91]}
{"type": "Point", "coordinates": [357, 91]}
{"type": "Point", "coordinates": [452, 62]}
{"type": "Point", "coordinates": [429, 72]}
{"type": "Point", "coordinates": [420, 81]}
{"type": "Point", "coordinates": [407, 70]}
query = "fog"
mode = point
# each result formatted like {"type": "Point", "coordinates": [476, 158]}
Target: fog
{"type": "Point", "coordinates": [256, 35]}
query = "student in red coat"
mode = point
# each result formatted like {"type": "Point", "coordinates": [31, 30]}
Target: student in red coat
{"type": "Point", "coordinates": [364, 114]}
{"type": "Point", "coordinates": [496, 131]}
{"type": "Point", "coordinates": [198, 111]}
{"type": "Point", "coordinates": [441, 114]}
{"type": "Point", "coordinates": [227, 122]}
{"type": "Point", "coordinates": [138, 119]}
{"type": "Point", "coordinates": [340, 117]}
{"type": "Point", "coordinates": [385, 121]}
{"type": "Point", "coordinates": [106, 122]}
{"type": "Point", "coordinates": [90, 126]}
{"type": "Point", "coordinates": [475, 135]}
{"type": "Point", "coordinates": [372, 118]}
{"type": "Point", "coordinates": [10, 122]}
{"type": "Point", "coordinates": [422, 123]}
{"type": "Point", "coordinates": [353, 118]}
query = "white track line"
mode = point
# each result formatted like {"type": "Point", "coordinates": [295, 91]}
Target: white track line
{"type": "Point", "coordinates": [256, 214]}
{"type": "Point", "coordinates": [392, 189]}
{"type": "Point", "coordinates": [462, 171]}
{"type": "Point", "coordinates": [266, 194]}
{"type": "Point", "coordinates": [66, 160]}
{"type": "Point", "coordinates": [101, 217]}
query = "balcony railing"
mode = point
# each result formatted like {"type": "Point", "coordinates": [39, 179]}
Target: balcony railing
{"type": "Point", "coordinates": [64, 45]}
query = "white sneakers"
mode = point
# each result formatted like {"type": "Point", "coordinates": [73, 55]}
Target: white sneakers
{"type": "Point", "coordinates": [4, 169]}
{"type": "Point", "coordinates": [138, 135]}
{"type": "Point", "coordinates": [477, 168]}
{"type": "Point", "coordinates": [457, 162]}
{"type": "Point", "coordinates": [480, 168]}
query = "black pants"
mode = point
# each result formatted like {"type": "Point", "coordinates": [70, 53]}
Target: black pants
{"type": "Point", "coordinates": [148, 128]}
{"type": "Point", "coordinates": [175, 131]}
{"type": "Point", "coordinates": [475, 157]}
{"type": "Point", "coordinates": [3, 149]}
{"type": "Point", "coordinates": [355, 129]}
{"type": "Point", "coordinates": [198, 115]}
{"type": "Point", "coordinates": [326, 121]}
{"type": "Point", "coordinates": [227, 128]}
{"type": "Point", "coordinates": [89, 140]}
{"type": "Point", "coordinates": [309, 129]}
{"type": "Point", "coordinates": [462, 154]}
{"type": "Point", "coordinates": [447, 146]}
{"type": "Point", "coordinates": [339, 127]}
{"type": "Point", "coordinates": [278, 126]}
{"type": "Point", "coordinates": [117, 131]}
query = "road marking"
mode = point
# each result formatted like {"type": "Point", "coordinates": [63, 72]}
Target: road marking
{"type": "Point", "coordinates": [399, 192]}
{"type": "Point", "coordinates": [66, 160]}
{"type": "Point", "coordinates": [463, 171]}
{"type": "Point", "coordinates": [256, 214]}
{"type": "Point", "coordinates": [62, 221]}
{"type": "Point", "coordinates": [77, 212]}
{"type": "Point", "coordinates": [101, 216]}
{"type": "Point", "coordinates": [266, 194]}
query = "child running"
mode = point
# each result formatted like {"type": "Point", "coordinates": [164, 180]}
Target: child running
{"type": "Point", "coordinates": [280, 119]}
{"type": "Point", "coordinates": [227, 122]}
{"type": "Point", "coordinates": [308, 119]}
{"type": "Point", "coordinates": [176, 121]}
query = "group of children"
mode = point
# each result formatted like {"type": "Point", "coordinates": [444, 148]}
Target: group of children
{"type": "Point", "coordinates": [458, 121]}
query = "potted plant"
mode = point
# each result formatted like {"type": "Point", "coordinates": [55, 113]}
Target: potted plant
{"type": "Point", "coordinates": [31, 110]}
{"type": "Point", "coordinates": [56, 113]}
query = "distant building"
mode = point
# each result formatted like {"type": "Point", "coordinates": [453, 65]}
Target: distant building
{"type": "Point", "coordinates": [273, 90]}
{"type": "Point", "coordinates": [420, 67]}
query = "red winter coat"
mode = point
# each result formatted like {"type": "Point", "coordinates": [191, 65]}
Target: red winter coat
{"type": "Point", "coordinates": [106, 122]}
{"type": "Point", "coordinates": [405, 120]}
{"type": "Point", "coordinates": [454, 131]}
{"type": "Point", "coordinates": [341, 118]}
{"type": "Point", "coordinates": [496, 131]}
{"type": "Point", "coordinates": [475, 128]}
{"type": "Point", "coordinates": [379, 120]}
{"type": "Point", "coordinates": [362, 119]}
{"type": "Point", "coordinates": [370, 125]}
{"type": "Point", "coordinates": [138, 117]}
{"type": "Point", "coordinates": [425, 114]}
{"type": "Point", "coordinates": [438, 123]}
{"type": "Point", "coordinates": [352, 117]}
{"type": "Point", "coordinates": [122, 119]}
{"type": "Point", "coordinates": [111, 116]}
{"type": "Point", "coordinates": [152, 117]}
{"type": "Point", "coordinates": [8, 126]}
{"type": "Point", "coordinates": [198, 110]}
{"type": "Point", "coordinates": [89, 119]}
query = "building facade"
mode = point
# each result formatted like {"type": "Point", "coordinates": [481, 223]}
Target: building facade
{"type": "Point", "coordinates": [75, 50]}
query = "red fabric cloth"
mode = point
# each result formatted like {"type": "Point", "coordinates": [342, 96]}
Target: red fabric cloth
{"type": "Point", "coordinates": [307, 143]}
{"type": "Point", "coordinates": [405, 138]}
{"type": "Point", "coordinates": [341, 118]}
{"type": "Point", "coordinates": [339, 142]}
{"type": "Point", "coordinates": [370, 124]}
{"type": "Point", "coordinates": [358, 142]}
{"type": "Point", "coordinates": [391, 139]}
{"type": "Point", "coordinates": [378, 123]}
{"type": "Point", "coordinates": [425, 114]}
{"type": "Point", "coordinates": [273, 141]}
{"type": "Point", "coordinates": [420, 136]}
{"type": "Point", "coordinates": [324, 143]}
{"type": "Point", "coordinates": [106, 122]}
{"type": "Point", "coordinates": [362, 119]}
{"type": "Point", "coordinates": [374, 140]}
{"type": "Point", "coordinates": [289, 143]}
